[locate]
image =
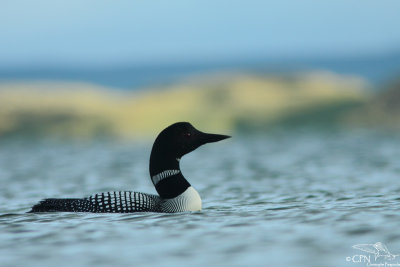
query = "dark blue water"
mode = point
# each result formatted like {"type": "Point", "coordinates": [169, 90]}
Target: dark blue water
{"type": "Point", "coordinates": [287, 199]}
{"type": "Point", "coordinates": [376, 69]}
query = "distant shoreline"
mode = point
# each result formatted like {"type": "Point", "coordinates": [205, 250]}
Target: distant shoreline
{"type": "Point", "coordinates": [225, 103]}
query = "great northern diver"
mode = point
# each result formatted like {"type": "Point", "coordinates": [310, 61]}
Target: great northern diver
{"type": "Point", "coordinates": [175, 192]}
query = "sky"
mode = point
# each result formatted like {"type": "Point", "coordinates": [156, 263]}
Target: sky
{"type": "Point", "coordinates": [97, 32]}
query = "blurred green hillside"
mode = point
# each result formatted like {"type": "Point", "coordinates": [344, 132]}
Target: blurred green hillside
{"type": "Point", "coordinates": [381, 111]}
{"type": "Point", "coordinates": [224, 103]}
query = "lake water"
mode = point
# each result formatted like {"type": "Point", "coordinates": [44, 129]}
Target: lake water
{"type": "Point", "coordinates": [284, 199]}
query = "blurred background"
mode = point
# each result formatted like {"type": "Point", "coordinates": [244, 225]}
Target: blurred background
{"type": "Point", "coordinates": [309, 90]}
{"type": "Point", "coordinates": [128, 69]}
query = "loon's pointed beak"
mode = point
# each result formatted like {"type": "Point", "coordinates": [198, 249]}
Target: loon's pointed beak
{"type": "Point", "coordinates": [210, 138]}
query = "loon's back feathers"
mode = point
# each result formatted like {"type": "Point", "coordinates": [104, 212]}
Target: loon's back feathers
{"type": "Point", "coordinates": [65, 204]}
{"type": "Point", "coordinates": [123, 201]}
{"type": "Point", "coordinates": [120, 201]}
{"type": "Point", "coordinates": [175, 192]}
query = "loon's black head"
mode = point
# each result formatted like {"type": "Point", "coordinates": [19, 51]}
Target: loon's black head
{"type": "Point", "coordinates": [181, 138]}
{"type": "Point", "coordinates": [171, 144]}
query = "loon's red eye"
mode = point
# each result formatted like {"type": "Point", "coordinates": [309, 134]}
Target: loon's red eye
{"type": "Point", "coordinates": [187, 134]}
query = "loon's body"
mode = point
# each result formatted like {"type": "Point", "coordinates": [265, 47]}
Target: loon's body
{"type": "Point", "coordinates": [175, 192]}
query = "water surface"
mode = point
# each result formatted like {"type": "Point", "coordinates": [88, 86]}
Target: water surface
{"type": "Point", "coordinates": [300, 198]}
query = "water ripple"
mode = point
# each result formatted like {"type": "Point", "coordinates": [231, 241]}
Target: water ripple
{"type": "Point", "coordinates": [277, 199]}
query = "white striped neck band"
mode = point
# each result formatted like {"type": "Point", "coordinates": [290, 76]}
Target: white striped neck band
{"type": "Point", "coordinates": [162, 175]}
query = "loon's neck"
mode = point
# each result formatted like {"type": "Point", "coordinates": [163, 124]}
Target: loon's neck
{"type": "Point", "coordinates": [166, 175]}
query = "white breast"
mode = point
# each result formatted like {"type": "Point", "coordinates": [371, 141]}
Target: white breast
{"type": "Point", "coordinates": [187, 201]}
